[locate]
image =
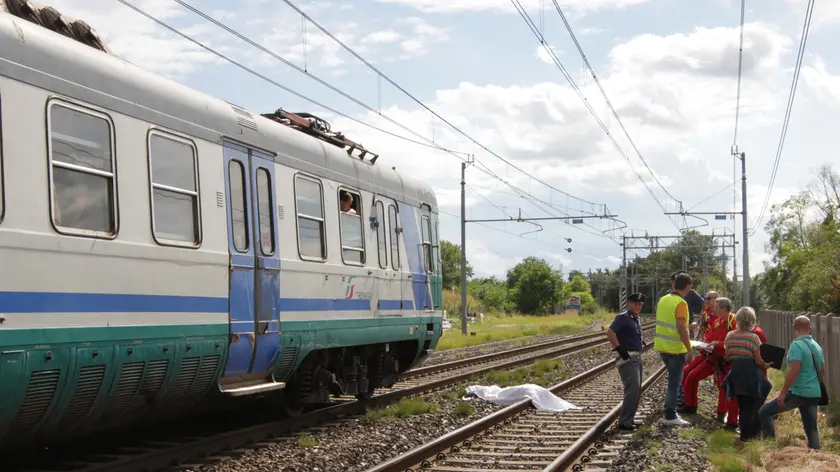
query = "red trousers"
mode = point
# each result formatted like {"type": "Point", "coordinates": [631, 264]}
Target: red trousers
{"type": "Point", "coordinates": [697, 370]}
{"type": "Point", "coordinates": [723, 405]}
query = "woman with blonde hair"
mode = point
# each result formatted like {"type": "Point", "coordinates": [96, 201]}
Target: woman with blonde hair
{"type": "Point", "coordinates": [746, 380]}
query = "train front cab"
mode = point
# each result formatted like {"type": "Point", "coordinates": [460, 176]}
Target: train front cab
{"type": "Point", "coordinates": [254, 272]}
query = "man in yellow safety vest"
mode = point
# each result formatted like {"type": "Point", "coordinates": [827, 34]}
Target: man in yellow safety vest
{"type": "Point", "coordinates": [673, 342]}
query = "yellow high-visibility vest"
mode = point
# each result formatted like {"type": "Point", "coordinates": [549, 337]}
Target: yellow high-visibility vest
{"type": "Point", "coordinates": [667, 339]}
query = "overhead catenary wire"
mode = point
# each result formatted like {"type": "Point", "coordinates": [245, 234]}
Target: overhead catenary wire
{"type": "Point", "coordinates": [279, 85]}
{"type": "Point", "coordinates": [800, 56]}
{"type": "Point", "coordinates": [330, 86]}
{"type": "Point", "coordinates": [710, 197]}
{"type": "Point", "coordinates": [247, 69]}
{"type": "Point", "coordinates": [429, 109]}
{"type": "Point", "coordinates": [607, 99]}
{"type": "Point", "coordinates": [535, 30]}
{"type": "Point", "coordinates": [302, 70]}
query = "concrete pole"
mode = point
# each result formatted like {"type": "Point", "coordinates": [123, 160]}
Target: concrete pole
{"type": "Point", "coordinates": [746, 257]}
{"type": "Point", "coordinates": [463, 251]}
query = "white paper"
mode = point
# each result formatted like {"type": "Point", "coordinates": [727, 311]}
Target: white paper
{"type": "Point", "coordinates": [540, 397]}
{"type": "Point", "coordinates": [699, 345]}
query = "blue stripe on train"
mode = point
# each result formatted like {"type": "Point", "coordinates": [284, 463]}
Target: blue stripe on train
{"type": "Point", "coordinates": [53, 302]}
{"type": "Point", "coordinates": [396, 305]}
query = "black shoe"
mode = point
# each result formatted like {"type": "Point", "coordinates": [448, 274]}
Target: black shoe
{"type": "Point", "coordinates": [688, 410]}
{"type": "Point", "coordinates": [731, 427]}
{"type": "Point", "coordinates": [622, 427]}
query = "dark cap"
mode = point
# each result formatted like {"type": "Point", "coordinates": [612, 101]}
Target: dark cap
{"type": "Point", "coordinates": [636, 297]}
{"type": "Point", "coordinates": [675, 274]}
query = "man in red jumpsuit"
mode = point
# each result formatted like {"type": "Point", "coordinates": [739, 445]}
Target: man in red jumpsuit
{"type": "Point", "coordinates": [705, 365]}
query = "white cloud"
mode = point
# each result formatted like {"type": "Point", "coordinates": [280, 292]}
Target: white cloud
{"type": "Point", "coordinates": [820, 79]}
{"type": "Point", "coordinates": [824, 14]}
{"type": "Point", "coordinates": [381, 37]}
{"type": "Point", "coordinates": [675, 95]}
{"type": "Point", "coordinates": [142, 41]}
{"type": "Point", "coordinates": [544, 56]}
{"type": "Point", "coordinates": [449, 6]}
{"type": "Point", "coordinates": [422, 36]}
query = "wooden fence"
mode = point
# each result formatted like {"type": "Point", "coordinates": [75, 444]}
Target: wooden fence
{"type": "Point", "coordinates": [825, 329]}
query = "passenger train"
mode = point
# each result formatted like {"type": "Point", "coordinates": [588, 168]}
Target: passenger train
{"type": "Point", "coordinates": [159, 247]}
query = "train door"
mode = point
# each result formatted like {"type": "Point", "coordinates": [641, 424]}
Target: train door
{"type": "Point", "coordinates": [401, 278]}
{"type": "Point", "coordinates": [254, 270]}
{"type": "Point", "coordinates": [427, 244]}
{"type": "Point", "coordinates": [389, 300]}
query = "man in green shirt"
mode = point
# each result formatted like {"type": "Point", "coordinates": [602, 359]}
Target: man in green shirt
{"type": "Point", "coordinates": [802, 384]}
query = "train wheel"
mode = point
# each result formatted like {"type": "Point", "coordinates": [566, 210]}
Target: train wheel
{"type": "Point", "coordinates": [291, 406]}
{"type": "Point", "coordinates": [364, 396]}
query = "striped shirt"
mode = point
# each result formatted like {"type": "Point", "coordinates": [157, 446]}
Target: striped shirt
{"type": "Point", "coordinates": [741, 345]}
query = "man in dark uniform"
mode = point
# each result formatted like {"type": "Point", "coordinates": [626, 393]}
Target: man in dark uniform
{"type": "Point", "coordinates": [695, 301]}
{"type": "Point", "coordinates": [625, 335]}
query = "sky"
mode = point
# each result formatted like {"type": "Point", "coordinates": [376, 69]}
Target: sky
{"type": "Point", "coordinates": [541, 147]}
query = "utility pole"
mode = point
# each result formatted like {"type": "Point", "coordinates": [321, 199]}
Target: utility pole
{"type": "Point", "coordinates": [622, 288]}
{"type": "Point", "coordinates": [746, 257]}
{"type": "Point", "coordinates": [464, 246]}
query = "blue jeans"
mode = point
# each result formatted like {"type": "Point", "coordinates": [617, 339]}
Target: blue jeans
{"type": "Point", "coordinates": [674, 365]}
{"type": "Point", "coordinates": [807, 410]}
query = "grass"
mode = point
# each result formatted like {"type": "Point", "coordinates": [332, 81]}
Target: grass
{"type": "Point", "coordinates": [464, 409]}
{"type": "Point", "coordinates": [507, 327]}
{"type": "Point", "coordinates": [727, 454]}
{"type": "Point", "coordinates": [306, 441]}
{"type": "Point", "coordinates": [402, 409]}
{"type": "Point", "coordinates": [543, 372]}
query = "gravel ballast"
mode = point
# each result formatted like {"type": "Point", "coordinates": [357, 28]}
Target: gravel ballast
{"type": "Point", "coordinates": [359, 443]}
{"type": "Point", "coordinates": [656, 447]}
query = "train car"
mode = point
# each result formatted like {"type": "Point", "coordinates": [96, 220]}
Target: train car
{"type": "Point", "coordinates": [159, 246]}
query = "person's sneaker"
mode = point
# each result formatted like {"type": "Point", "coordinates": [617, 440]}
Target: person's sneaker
{"type": "Point", "coordinates": [676, 422]}
{"type": "Point", "coordinates": [622, 427]}
{"type": "Point", "coordinates": [731, 427]}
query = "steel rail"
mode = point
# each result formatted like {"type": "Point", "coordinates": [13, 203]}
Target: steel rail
{"type": "Point", "coordinates": [576, 450]}
{"type": "Point", "coordinates": [432, 369]}
{"type": "Point", "coordinates": [443, 443]}
{"type": "Point", "coordinates": [177, 449]}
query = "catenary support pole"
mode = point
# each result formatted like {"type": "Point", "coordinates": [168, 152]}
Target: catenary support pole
{"type": "Point", "coordinates": [746, 257]}
{"type": "Point", "coordinates": [463, 251]}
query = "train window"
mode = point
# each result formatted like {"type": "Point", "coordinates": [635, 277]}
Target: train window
{"type": "Point", "coordinates": [264, 206]}
{"type": "Point", "coordinates": [350, 225]}
{"type": "Point", "coordinates": [174, 178]}
{"type": "Point", "coordinates": [426, 236]}
{"type": "Point", "coordinates": [238, 213]}
{"type": "Point", "coordinates": [82, 171]}
{"type": "Point", "coordinates": [381, 236]}
{"type": "Point", "coordinates": [310, 218]}
{"type": "Point", "coordinates": [395, 237]}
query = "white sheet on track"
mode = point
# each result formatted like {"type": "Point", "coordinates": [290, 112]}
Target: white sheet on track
{"type": "Point", "coordinates": [540, 397]}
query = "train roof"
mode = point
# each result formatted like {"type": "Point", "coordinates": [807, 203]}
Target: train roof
{"type": "Point", "coordinates": [34, 54]}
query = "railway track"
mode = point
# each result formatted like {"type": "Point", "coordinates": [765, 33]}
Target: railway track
{"type": "Point", "coordinates": [169, 445]}
{"type": "Point", "coordinates": [521, 438]}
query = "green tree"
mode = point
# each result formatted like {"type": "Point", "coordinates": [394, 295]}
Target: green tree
{"type": "Point", "coordinates": [492, 294]}
{"type": "Point", "coordinates": [534, 287]}
{"type": "Point", "coordinates": [578, 284]}
{"type": "Point", "coordinates": [573, 273]}
{"type": "Point", "coordinates": [804, 270]}
{"type": "Point", "coordinates": [450, 255]}
{"type": "Point", "coordinates": [580, 287]}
